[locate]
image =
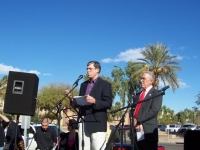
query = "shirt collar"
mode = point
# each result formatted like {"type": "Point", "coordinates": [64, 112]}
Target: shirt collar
{"type": "Point", "coordinates": [93, 81]}
{"type": "Point", "coordinates": [147, 89]}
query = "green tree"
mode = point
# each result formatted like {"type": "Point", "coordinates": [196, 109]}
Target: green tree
{"type": "Point", "coordinates": [198, 99]}
{"type": "Point", "coordinates": [3, 85]}
{"type": "Point", "coordinates": [52, 97]}
{"type": "Point", "coordinates": [121, 84]}
{"type": "Point", "coordinates": [118, 114]}
{"type": "Point", "coordinates": [133, 82]}
{"type": "Point", "coordinates": [113, 85]}
{"type": "Point", "coordinates": [157, 59]}
{"type": "Point", "coordinates": [181, 117]}
{"type": "Point", "coordinates": [167, 116]}
{"type": "Point", "coordinates": [195, 114]}
{"type": "Point", "coordinates": [188, 115]}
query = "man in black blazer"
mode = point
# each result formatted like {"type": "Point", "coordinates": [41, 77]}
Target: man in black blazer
{"type": "Point", "coordinates": [98, 94]}
{"type": "Point", "coordinates": [12, 132]}
{"type": "Point", "coordinates": [145, 117]}
{"type": "Point", "coordinates": [3, 123]}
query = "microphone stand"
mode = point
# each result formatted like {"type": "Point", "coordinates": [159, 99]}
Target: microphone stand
{"type": "Point", "coordinates": [117, 126]}
{"type": "Point", "coordinates": [16, 132]}
{"type": "Point", "coordinates": [162, 92]}
{"type": "Point", "coordinates": [58, 105]}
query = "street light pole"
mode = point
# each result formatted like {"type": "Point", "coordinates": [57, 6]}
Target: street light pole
{"type": "Point", "coordinates": [193, 117]}
{"type": "Point", "coordinates": [123, 83]}
{"type": "Point", "coordinates": [193, 113]}
{"type": "Point", "coordinates": [123, 102]}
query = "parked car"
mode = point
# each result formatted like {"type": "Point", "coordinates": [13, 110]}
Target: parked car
{"type": "Point", "coordinates": [173, 128]}
{"type": "Point", "coordinates": [30, 142]}
{"type": "Point", "coordinates": [197, 128]}
{"type": "Point", "coordinates": [162, 127]}
{"type": "Point", "coordinates": [127, 126]}
{"type": "Point", "coordinates": [187, 126]}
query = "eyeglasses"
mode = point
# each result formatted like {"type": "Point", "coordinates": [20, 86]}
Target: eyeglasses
{"type": "Point", "coordinates": [142, 78]}
{"type": "Point", "coordinates": [90, 69]}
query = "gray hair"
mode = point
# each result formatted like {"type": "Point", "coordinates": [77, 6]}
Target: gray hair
{"type": "Point", "coordinates": [151, 75]}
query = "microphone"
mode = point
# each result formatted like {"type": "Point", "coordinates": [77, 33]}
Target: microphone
{"type": "Point", "coordinates": [163, 89]}
{"type": "Point", "coordinates": [76, 82]}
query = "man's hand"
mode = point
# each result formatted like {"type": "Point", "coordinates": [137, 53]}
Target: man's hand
{"type": "Point", "coordinates": [90, 99]}
{"type": "Point", "coordinates": [69, 95]}
{"type": "Point", "coordinates": [138, 127]}
{"type": "Point", "coordinates": [135, 122]}
{"type": "Point", "coordinates": [4, 118]}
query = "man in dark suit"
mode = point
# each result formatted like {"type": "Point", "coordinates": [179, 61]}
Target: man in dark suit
{"type": "Point", "coordinates": [145, 114]}
{"type": "Point", "coordinates": [98, 94]}
{"type": "Point", "coordinates": [13, 132]}
{"type": "Point", "coordinates": [3, 123]}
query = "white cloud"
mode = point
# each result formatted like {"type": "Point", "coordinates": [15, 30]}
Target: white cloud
{"type": "Point", "coordinates": [179, 57]}
{"type": "Point", "coordinates": [4, 69]}
{"type": "Point", "coordinates": [47, 74]}
{"type": "Point", "coordinates": [182, 84]}
{"type": "Point", "coordinates": [181, 48]}
{"type": "Point", "coordinates": [161, 84]}
{"type": "Point", "coordinates": [195, 57]}
{"type": "Point", "coordinates": [33, 71]}
{"type": "Point", "coordinates": [186, 57]}
{"type": "Point", "coordinates": [133, 55]}
{"type": "Point", "coordinates": [128, 55]}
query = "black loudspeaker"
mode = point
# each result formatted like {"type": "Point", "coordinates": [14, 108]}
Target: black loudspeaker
{"type": "Point", "coordinates": [21, 93]}
{"type": "Point", "coordinates": [191, 140]}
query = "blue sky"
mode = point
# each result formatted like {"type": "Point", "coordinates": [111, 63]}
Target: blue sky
{"type": "Point", "coordinates": [56, 39]}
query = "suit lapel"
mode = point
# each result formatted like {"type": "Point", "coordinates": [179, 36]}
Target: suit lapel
{"type": "Point", "coordinates": [147, 99]}
{"type": "Point", "coordinates": [149, 94]}
{"type": "Point", "coordinates": [84, 88]}
{"type": "Point", "coordinates": [95, 86]}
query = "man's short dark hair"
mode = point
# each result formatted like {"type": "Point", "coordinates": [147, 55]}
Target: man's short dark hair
{"type": "Point", "coordinates": [96, 64]}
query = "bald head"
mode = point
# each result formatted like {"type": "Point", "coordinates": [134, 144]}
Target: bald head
{"type": "Point", "coordinates": [45, 123]}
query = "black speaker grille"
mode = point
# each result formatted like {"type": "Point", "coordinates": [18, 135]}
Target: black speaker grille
{"type": "Point", "coordinates": [21, 93]}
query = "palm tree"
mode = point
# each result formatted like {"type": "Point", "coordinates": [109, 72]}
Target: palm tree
{"type": "Point", "coordinates": [133, 83]}
{"type": "Point", "coordinates": [157, 59]}
{"type": "Point", "coordinates": [198, 99]}
{"type": "Point", "coordinates": [3, 84]}
{"type": "Point", "coordinates": [120, 83]}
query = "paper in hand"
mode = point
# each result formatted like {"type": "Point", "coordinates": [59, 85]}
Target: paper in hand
{"type": "Point", "coordinates": [80, 100]}
{"type": "Point", "coordinates": [140, 134]}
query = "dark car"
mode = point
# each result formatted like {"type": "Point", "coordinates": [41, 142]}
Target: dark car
{"type": "Point", "coordinates": [198, 128]}
{"type": "Point", "coordinates": [162, 127]}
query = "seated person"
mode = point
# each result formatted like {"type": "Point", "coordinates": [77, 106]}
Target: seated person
{"type": "Point", "coordinates": [69, 140]}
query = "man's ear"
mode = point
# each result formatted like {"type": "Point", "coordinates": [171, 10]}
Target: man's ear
{"type": "Point", "coordinates": [97, 70]}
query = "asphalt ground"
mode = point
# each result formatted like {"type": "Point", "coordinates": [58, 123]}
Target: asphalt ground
{"type": "Point", "coordinates": [172, 141]}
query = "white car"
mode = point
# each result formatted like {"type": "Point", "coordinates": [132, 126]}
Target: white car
{"type": "Point", "coordinates": [187, 126]}
{"type": "Point", "coordinates": [173, 128]}
{"type": "Point", "coordinates": [30, 141]}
